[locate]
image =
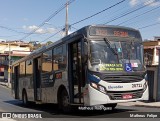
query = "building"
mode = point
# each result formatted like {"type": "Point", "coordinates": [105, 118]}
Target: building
{"type": "Point", "coordinates": [151, 59]}
{"type": "Point", "coordinates": [11, 51]}
{"type": "Point", "coordinates": [151, 51]}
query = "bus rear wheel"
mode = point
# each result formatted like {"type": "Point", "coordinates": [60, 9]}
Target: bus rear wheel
{"type": "Point", "coordinates": [64, 101]}
{"type": "Point", "coordinates": [24, 98]}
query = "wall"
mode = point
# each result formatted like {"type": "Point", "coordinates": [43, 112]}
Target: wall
{"type": "Point", "coordinates": [152, 72]}
{"type": "Point", "coordinates": [7, 47]}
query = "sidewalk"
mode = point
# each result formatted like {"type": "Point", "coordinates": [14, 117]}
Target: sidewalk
{"type": "Point", "coordinates": [4, 84]}
{"type": "Point", "coordinates": [141, 104]}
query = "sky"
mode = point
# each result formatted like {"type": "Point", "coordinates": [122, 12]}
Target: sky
{"type": "Point", "coordinates": [20, 17]}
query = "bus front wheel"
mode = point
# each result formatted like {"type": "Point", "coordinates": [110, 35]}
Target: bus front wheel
{"type": "Point", "coordinates": [64, 101]}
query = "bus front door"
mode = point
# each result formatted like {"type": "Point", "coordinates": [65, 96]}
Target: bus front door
{"type": "Point", "coordinates": [37, 78]}
{"type": "Point", "coordinates": [76, 78]}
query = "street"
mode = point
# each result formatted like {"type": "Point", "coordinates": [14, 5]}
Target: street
{"type": "Point", "coordinates": [8, 104]}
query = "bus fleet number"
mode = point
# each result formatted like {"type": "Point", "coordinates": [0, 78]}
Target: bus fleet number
{"type": "Point", "coordinates": [136, 85]}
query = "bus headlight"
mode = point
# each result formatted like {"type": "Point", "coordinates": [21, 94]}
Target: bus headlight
{"type": "Point", "coordinates": [98, 87]}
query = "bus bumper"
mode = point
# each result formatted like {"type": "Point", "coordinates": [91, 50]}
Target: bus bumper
{"type": "Point", "coordinates": [98, 98]}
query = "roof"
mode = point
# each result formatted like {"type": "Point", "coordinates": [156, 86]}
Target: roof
{"type": "Point", "coordinates": [151, 43]}
{"type": "Point", "coordinates": [15, 43]}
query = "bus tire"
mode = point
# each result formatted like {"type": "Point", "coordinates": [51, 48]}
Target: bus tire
{"type": "Point", "coordinates": [64, 101]}
{"type": "Point", "coordinates": [24, 98]}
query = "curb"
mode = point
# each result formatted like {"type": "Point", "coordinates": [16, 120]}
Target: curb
{"type": "Point", "coordinates": [4, 84]}
{"type": "Point", "coordinates": [149, 106]}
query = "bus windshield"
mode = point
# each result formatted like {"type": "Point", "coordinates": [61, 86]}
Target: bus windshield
{"type": "Point", "coordinates": [116, 55]}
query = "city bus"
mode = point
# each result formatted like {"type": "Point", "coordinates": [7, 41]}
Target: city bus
{"type": "Point", "coordinates": [96, 65]}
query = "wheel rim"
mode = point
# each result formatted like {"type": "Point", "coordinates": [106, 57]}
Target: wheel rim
{"type": "Point", "coordinates": [65, 101]}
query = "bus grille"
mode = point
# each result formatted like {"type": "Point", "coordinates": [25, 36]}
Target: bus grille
{"type": "Point", "coordinates": [122, 79]}
{"type": "Point", "coordinates": [119, 95]}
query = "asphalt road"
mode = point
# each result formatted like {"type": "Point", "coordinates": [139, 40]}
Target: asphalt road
{"type": "Point", "coordinates": [8, 104]}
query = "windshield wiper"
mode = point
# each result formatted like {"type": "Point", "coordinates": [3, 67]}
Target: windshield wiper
{"type": "Point", "coordinates": [129, 51]}
{"type": "Point", "coordinates": [109, 45]}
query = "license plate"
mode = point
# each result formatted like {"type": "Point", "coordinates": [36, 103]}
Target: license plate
{"type": "Point", "coordinates": [127, 96]}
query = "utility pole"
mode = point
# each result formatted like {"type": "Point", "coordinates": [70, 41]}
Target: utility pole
{"type": "Point", "coordinates": [9, 68]}
{"type": "Point", "coordinates": [66, 23]}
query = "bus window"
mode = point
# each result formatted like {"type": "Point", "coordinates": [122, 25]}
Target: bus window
{"type": "Point", "coordinates": [47, 61]}
{"type": "Point", "coordinates": [22, 69]}
{"type": "Point", "coordinates": [59, 58]}
{"type": "Point", "coordinates": [29, 68]}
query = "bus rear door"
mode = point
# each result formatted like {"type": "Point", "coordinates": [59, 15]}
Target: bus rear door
{"type": "Point", "coordinates": [37, 78]}
{"type": "Point", "coordinates": [15, 82]}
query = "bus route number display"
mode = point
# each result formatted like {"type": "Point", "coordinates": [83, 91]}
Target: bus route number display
{"type": "Point", "coordinates": [120, 33]}
{"type": "Point", "coordinates": [117, 32]}
{"type": "Point", "coordinates": [101, 32]}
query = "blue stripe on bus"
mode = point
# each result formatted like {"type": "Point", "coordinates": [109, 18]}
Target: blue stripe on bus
{"type": "Point", "coordinates": [93, 78]}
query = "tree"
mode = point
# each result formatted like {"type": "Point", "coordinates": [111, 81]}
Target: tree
{"type": "Point", "coordinates": [34, 45]}
{"type": "Point", "coordinates": [49, 42]}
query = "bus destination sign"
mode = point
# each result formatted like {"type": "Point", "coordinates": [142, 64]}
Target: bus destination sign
{"type": "Point", "coordinates": [118, 32]}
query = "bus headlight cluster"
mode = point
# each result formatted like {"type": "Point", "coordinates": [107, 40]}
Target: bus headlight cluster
{"type": "Point", "coordinates": [98, 87]}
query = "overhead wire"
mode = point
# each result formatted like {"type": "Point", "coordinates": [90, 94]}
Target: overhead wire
{"type": "Point", "coordinates": [9, 36]}
{"type": "Point", "coordinates": [149, 25]}
{"type": "Point", "coordinates": [51, 36]}
{"type": "Point", "coordinates": [125, 14]}
{"type": "Point", "coordinates": [98, 12]}
{"type": "Point", "coordinates": [144, 18]}
{"type": "Point", "coordinates": [120, 9]}
{"type": "Point", "coordinates": [138, 15]}
{"type": "Point", "coordinates": [49, 18]}
{"type": "Point", "coordinates": [10, 29]}
{"type": "Point", "coordinates": [87, 18]}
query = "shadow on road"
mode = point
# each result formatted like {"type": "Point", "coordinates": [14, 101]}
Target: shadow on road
{"type": "Point", "coordinates": [52, 110]}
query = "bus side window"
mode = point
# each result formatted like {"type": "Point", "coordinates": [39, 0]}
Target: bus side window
{"type": "Point", "coordinates": [22, 69]}
{"type": "Point", "coordinates": [59, 58]}
{"type": "Point", "coordinates": [47, 61]}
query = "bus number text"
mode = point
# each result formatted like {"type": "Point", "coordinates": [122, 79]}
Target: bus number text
{"type": "Point", "coordinates": [136, 85]}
